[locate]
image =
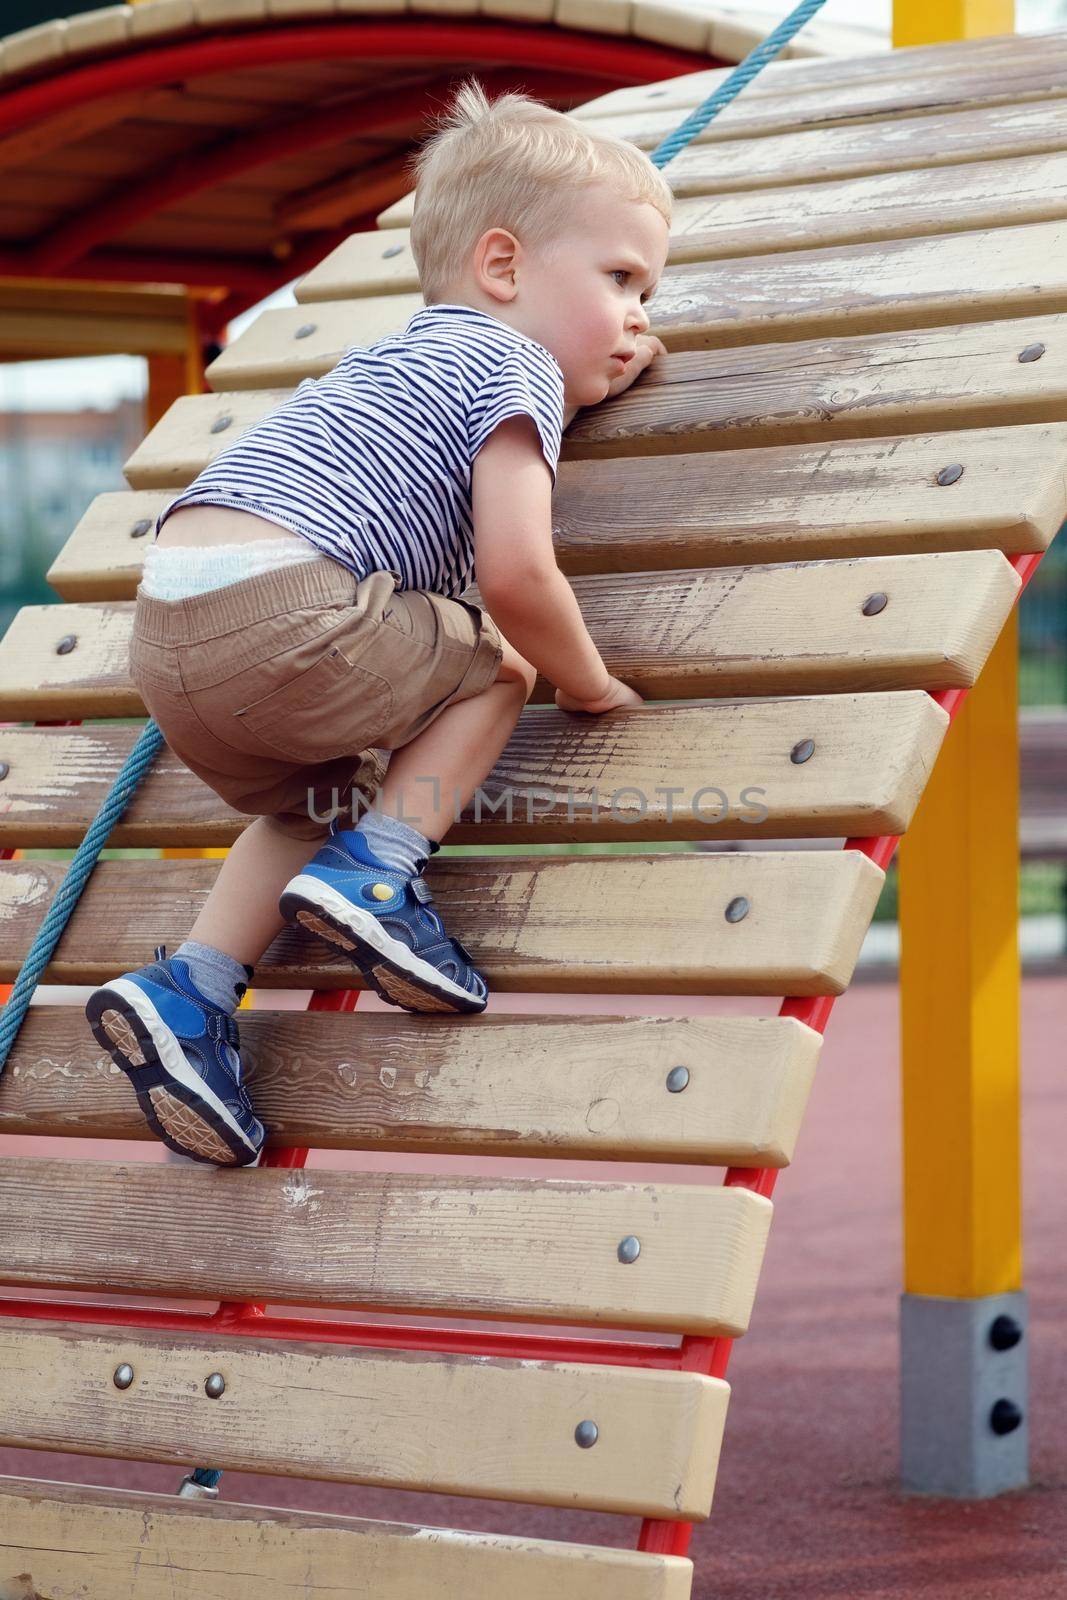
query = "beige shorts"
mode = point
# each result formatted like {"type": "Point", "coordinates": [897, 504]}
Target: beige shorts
{"type": "Point", "coordinates": [271, 689]}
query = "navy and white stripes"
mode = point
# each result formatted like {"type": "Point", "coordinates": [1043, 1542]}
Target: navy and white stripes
{"type": "Point", "coordinates": [372, 462]}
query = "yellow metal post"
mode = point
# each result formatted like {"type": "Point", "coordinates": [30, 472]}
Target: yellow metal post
{"type": "Point", "coordinates": [932, 21]}
{"type": "Point", "coordinates": [959, 996]}
{"type": "Point", "coordinates": [963, 1312]}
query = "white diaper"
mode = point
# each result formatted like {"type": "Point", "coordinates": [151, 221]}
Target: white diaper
{"type": "Point", "coordinates": [174, 571]}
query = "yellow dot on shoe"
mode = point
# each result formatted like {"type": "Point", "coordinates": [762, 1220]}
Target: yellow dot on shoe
{"type": "Point", "coordinates": [381, 891]}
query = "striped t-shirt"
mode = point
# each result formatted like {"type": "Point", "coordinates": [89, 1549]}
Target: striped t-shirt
{"type": "Point", "coordinates": [372, 462]}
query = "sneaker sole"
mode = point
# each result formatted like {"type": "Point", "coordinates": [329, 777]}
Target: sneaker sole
{"type": "Point", "coordinates": [179, 1107]}
{"type": "Point", "coordinates": [397, 974]}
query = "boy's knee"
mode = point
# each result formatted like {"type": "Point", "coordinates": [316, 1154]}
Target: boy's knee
{"type": "Point", "coordinates": [520, 671]}
{"type": "Point", "coordinates": [529, 678]}
{"type": "Point", "coordinates": [297, 825]}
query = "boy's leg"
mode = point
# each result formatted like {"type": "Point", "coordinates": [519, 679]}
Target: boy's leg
{"type": "Point", "coordinates": [430, 780]}
{"type": "Point", "coordinates": [459, 748]}
{"type": "Point", "coordinates": [240, 915]}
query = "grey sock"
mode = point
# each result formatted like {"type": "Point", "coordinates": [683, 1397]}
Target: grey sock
{"type": "Point", "coordinates": [396, 844]}
{"type": "Point", "coordinates": [217, 975]}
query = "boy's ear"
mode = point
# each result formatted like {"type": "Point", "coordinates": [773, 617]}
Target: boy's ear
{"type": "Point", "coordinates": [496, 263]}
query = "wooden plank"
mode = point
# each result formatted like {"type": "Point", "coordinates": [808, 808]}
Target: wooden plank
{"type": "Point", "coordinates": [863, 288]}
{"type": "Point", "coordinates": [193, 432]}
{"type": "Point", "coordinates": [592, 1086]}
{"type": "Point", "coordinates": [536, 923]}
{"type": "Point", "coordinates": [938, 140]}
{"type": "Point", "coordinates": [865, 386]}
{"type": "Point", "coordinates": [626, 778]}
{"type": "Point", "coordinates": [967, 376]}
{"type": "Point", "coordinates": [944, 62]}
{"type": "Point", "coordinates": [887, 205]}
{"type": "Point", "coordinates": [756, 505]}
{"type": "Point", "coordinates": [903, 100]}
{"type": "Point", "coordinates": [354, 1416]}
{"type": "Point", "coordinates": [75, 1541]}
{"type": "Point", "coordinates": [419, 1243]}
{"type": "Point", "coordinates": [777, 629]}
{"type": "Point", "coordinates": [851, 150]}
{"type": "Point", "coordinates": [981, 194]}
{"type": "Point", "coordinates": [289, 343]}
{"type": "Point", "coordinates": [853, 498]}
{"type": "Point", "coordinates": [31, 48]}
{"type": "Point", "coordinates": [849, 289]}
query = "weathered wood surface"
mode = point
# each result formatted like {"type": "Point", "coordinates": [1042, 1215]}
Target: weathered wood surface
{"type": "Point", "coordinates": [633, 777]}
{"type": "Point", "coordinates": [842, 290]}
{"type": "Point", "coordinates": [75, 1541]}
{"type": "Point", "coordinates": [592, 1087]}
{"type": "Point", "coordinates": [937, 200]}
{"type": "Point", "coordinates": [851, 150]}
{"type": "Point", "coordinates": [419, 1243]}
{"type": "Point", "coordinates": [798, 391]}
{"type": "Point", "coordinates": [389, 1417]}
{"type": "Point", "coordinates": [803, 391]}
{"type": "Point", "coordinates": [539, 923]}
{"type": "Point", "coordinates": [944, 62]}
{"type": "Point", "coordinates": [1038, 77]}
{"type": "Point", "coordinates": [796, 628]}
{"type": "Point", "coordinates": [779, 503]}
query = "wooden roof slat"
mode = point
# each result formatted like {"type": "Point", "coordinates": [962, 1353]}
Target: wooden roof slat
{"type": "Point", "coordinates": [798, 628]}
{"type": "Point", "coordinates": [864, 776]}
{"type": "Point", "coordinates": [416, 1242]}
{"type": "Point", "coordinates": [856, 497]}
{"type": "Point", "coordinates": [850, 150]}
{"type": "Point", "coordinates": [589, 1087]}
{"type": "Point", "coordinates": [353, 1416]}
{"type": "Point", "coordinates": [987, 194]}
{"type": "Point", "coordinates": [95, 1537]}
{"type": "Point", "coordinates": [801, 391]}
{"type": "Point", "coordinates": [540, 923]}
{"type": "Point", "coordinates": [917, 94]}
{"type": "Point", "coordinates": [783, 77]}
{"type": "Point", "coordinates": [804, 294]}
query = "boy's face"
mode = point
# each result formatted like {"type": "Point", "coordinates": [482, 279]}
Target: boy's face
{"type": "Point", "coordinates": [583, 295]}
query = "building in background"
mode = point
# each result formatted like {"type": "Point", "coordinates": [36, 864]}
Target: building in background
{"type": "Point", "coordinates": [53, 464]}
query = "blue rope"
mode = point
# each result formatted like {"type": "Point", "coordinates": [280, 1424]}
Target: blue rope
{"type": "Point", "coordinates": [85, 858]}
{"type": "Point", "coordinates": [147, 747]}
{"type": "Point", "coordinates": [731, 87]}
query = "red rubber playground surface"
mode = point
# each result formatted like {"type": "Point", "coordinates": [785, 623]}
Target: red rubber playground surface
{"type": "Point", "coordinates": [807, 1506]}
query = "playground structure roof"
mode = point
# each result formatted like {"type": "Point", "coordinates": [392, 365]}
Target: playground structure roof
{"type": "Point", "coordinates": [229, 145]}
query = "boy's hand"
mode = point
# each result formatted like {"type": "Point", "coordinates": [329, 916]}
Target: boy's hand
{"type": "Point", "coordinates": [648, 348]}
{"type": "Point", "coordinates": [619, 694]}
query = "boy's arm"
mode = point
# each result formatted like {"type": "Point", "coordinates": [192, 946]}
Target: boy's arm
{"type": "Point", "coordinates": [524, 591]}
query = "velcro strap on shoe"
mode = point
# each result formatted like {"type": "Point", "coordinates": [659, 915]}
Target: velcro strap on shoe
{"type": "Point", "coordinates": [421, 890]}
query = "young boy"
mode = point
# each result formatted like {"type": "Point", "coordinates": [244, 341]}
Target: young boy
{"type": "Point", "coordinates": [300, 605]}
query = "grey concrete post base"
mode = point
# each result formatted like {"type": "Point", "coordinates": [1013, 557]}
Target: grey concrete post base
{"type": "Point", "coordinates": [964, 1427]}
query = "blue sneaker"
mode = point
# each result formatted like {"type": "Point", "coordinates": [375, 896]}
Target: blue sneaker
{"type": "Point", "coordinates": [180, 1052]}
{"type": "Point", "coordinates": [385, 922]}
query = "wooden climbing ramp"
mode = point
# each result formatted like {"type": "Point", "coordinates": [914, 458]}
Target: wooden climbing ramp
{"type": "Point", "coordinates": [805, 528]}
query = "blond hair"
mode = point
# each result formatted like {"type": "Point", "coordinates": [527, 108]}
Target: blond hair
{"type": "Point", "coordinates": [506, 164]}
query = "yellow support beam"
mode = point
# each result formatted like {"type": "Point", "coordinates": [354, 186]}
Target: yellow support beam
{"type": "Point", "coordinates": [933, 21]}
{"type": "Point", "coordinates": [959, 988]}
{"type": "Point", "coordinates": [959, 937]}
{"type": "Point", "coordinates": [959, 1010]}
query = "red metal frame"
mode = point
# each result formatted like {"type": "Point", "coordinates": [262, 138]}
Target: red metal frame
{"type": "Point", "coordinates": [709, 1356]}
